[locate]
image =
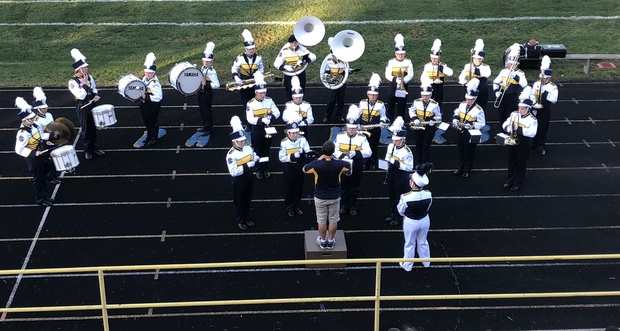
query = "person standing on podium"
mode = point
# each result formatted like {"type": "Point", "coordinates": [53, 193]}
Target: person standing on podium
{"type": "Point", "coordinates": [327, 171]}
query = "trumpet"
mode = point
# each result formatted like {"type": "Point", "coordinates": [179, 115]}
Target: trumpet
{"type": "Point", "coordinates": [248, 83]}
{"type": "Point", "coordinates": [422, 125]}
{"type": "Point", "coordinates": [512, 139]}
{"type": "Point", "coordinates": [401, 76]}
{"type": "Point", "coordinates": [538, 103]}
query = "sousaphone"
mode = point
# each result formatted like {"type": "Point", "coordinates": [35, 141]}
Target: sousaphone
{"type": "Point", "coordinates": [309, 31]}
{"type": "Point", "coordinates": [347, 46]}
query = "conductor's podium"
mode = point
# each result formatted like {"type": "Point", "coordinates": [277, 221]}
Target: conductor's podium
{"type": "Point", "coordinates": [314, 252]}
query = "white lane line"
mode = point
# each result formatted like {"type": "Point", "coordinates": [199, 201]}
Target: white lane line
{"type": "Point", "coordinates": [228, 201]}
{"type": "Point", "coordinates": [348, 23]}
{"type": "Point", "coordinates": [164, 235]}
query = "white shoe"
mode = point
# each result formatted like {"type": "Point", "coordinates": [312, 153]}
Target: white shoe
{"type": "Point", "coordinates": [402, 265]}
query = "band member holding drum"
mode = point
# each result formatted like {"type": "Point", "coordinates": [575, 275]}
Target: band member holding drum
{"type": "Point", "coordinates": [424, 113]}
{"type": "Point", "coordinates": [245, 65]}
{"type": "Point", "coordinates": [84, 89]}
{"type": "Point", "coordinates": [353, 146]}
{"type": "Point", "coordinates": [240, 160]}
{"type": "Point", "coordinates": [43, 118]}
{"type": "Point", "coordinates": [544, 93]}
{"type": "Point", "coordinates": [298, 110]}
{"type": "Point", "coordinates": [151, 100]}
{"type": "Point", "coordinates": [521, 125]}
{"type": "Point", "coordinates": [205, 95]}
{"type": "Point", "coordinates": [468, 116]}
{"type": "Point", "coordinates": [399, 71]}
{"type": "Point", "coordinates": [292, 154]}
{"type": "Point", "coordinates": [260, 112]}
{"type": "Point", "coordinates": [400, 165]}
{"type": "Point", "coordinates": [373, 114]}
{"type": "Point", "coordinates": [335, 68]}
{"type": "Point", "coordinates": [293, 60]}
{"type": "Point", "coordinates": [414, 207]}
{"type": "Point", "coordinates": [509, 84]}
{"type": "Point", "coordinates": [30, 143]}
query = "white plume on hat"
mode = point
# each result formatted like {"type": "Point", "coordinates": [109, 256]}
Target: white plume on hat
{"type": "Point", "coordinates": [209, 50]}
{"type": "Point", "coordinates": [436, 46]}
{"type": "Point", "coordinates": [354, 112]}
{"type": "Point", "coordinates": [235, 124]}
{"type": "Point", "coordinates": [150, 60]}
{"type": "Point", "coordinates": [472, 85]}
{"type": "Point", "coordinates": [525, 94]}
{"type": "Point", "coordinates": [77, 56]}
{"type": "Point", "coordinates": [514, 52]}
{"type": "Point", "coordinates": [295, 84]}
{"type": "Point", "coordinates": [247, 35]}
{"type": "Point", "coordinates": [259, 79]}
{"type": "Point", "coordinates": [39, 95]}
{"type": "Point", "coordinates": [22, 104]}
{"type": "Point", "coordinates": [397, 125]}
{"type": "Point", "coordinates": [478, 46]}
{"type": "Point", "coordinates": [375, 80]}
{"type": "Point", "coordinates": [545, 63]}
{"type": "Point", "coordinates": [399, 40]}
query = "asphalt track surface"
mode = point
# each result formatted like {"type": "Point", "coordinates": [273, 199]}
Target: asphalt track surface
{"type": "Point", "coordinates": [172, 204]}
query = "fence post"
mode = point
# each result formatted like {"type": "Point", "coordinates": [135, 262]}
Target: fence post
{"type": "Point", "coordinates": [104, 305]}
{"type": "Point", "coordinates": [377, 295]}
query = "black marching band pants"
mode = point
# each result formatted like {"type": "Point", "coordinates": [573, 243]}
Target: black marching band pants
{"type": "Point", "coordinates": [336, 97]}
{"type": "Point", "coordinates": [205, 101]}
{"type": "Point", "coordinates": [396, 106]}
{"type": "Point", "coordinates": [261, 145]}
{"type": "Point", "coordinates": [293, 184]}
{"type": "Point", "coordinates": [544, 117]}
{"type": "Point", "coordinates": [517, 160]}
{"type": "Point", "coordinates": [423, 140]}
{"type": "Point", "coordinates": [242, 186]}
{"type": "Point", "coordinates": [39, 167]}
{"type": "Point", "coordinates": [467, 151]}
{"type": "Point", "coordinates": [150, 113]}
{"type": "Point", "coordinates": [397, 183]}
{"type": "Point", "coordinates": [350, 185]}
{"type": "Point", "coordinates": [87, 125]}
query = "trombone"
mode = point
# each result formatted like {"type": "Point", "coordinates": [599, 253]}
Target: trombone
{"type": "Point", "coordinates": [248, 83]}
{"type": "Point", "coordinates": [422, 125]}
{"type": "Point", "coordinates": [373, 126]}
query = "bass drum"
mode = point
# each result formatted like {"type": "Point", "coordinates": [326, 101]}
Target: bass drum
{"type": "Point", "coordinates": [131, 88]}
{"type": "Point", "coordinates": [331, 81]}
{"type": "Point", "coordinates": [186, 78]}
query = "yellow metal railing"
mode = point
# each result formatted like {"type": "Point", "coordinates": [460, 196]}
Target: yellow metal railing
{"type": "Point", "coordinates": [104, 306]}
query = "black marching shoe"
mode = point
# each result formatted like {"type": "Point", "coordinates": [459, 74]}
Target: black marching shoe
{"type": "Point", "coordinates": [44, 203]}
{"type": "Point", "coordinates": [99, 152]}
{"type": "Point", "coordinates": [353, 212]}
{"type": "Point", "coordinates": [200, 130]}
{"type": "Point", "coordinates": [249, 223]}
{"type": "Point", "coordinates": [326, 119]}
{"type": "Point", "coordinates": [242, 226]}
{"type": "Point", "coordinates": [515, 188]}
{"type": "Point", "coordinates": [152, 142]}
{"type": "Point", "coordinates": [343, 211]}
{"type": "Point", "coordinates": [290, 213]}
{"type": "Point", "coordinates": [389, 219]}
{"type": "Point", "coordinates": [266, 173]}
{"type": "Point", "coordinates": [54, 181]}
{"type": "Point", "coordinates": [458, 172]}
{"type": "Point", "coordinates": [507, 185]}
{"type": "Point", "coordinates": [298, 211]}
{"type": "Point", "coordinates": [259, 174]}
{"type": "Point", "coordinates": [542, 152]}
{"type": "Point", "coordinates": [88, 155]}
{"type": "Point", "coordinates": [465, 174]}
{"type": "Point", "coordinates": [395, 221]}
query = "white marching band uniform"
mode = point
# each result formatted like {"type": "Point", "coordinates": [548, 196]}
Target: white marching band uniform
{"type": "Point", "coordinates": [349, 146]}
{"type": "Point", "coordinates": [293, 111]}
{"type": "Point", "coordinates": [42, 122]}
{"type": "Point", "coordinates": [237, 158]}
{"type": "Point", "coordinates": [256, 111]}
{"type": "Point", "coordinates": [528, 124]}
{"type": "Point", "coordinates": [210, 76]}
{"type": "Point", "coordinates": [414, 207]}
{"type": "Point", "coordinates": [483, 70]}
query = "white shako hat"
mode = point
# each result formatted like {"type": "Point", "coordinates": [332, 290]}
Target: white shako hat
{"type": "Point", "coordinates": [40, 100]}
{"type": "Point", "coordinates": [207, 55]}
{"type": "Point", "coordinates": [436, 49]}
{"type": "Point", "coordinates": [472, 89]}
{"type": "Point", "coordinates": [149, 63]}
{"type": "Point", "coordinates": [398, 129]}
{"type": "Point", "coordinates": [478, 51]}
{"type": "Point", "coordinates": [259, 80]}
{"type": "Point", "coordinates": [26, 109]}
{"type": "Point", "coordinates": [248, 41]}
{"type": "Point", "coordinates": [79, 58]}
{"type": "Point", "coordinates": [373, 84]}
{"type": "Point", "coordinates": [238, 133]}
{"type": "Point", "coordinates": [545, 67]}
{"type": "Point", "coordinates": [426, 88]}
{"type": "Point", "coordinates": [296, 87]}
{"type": "Point", "coordinates": [399, 44]}
{"type": "Point", "coordinates": [353, 117]}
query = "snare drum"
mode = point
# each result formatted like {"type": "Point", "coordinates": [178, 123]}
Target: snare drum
{"type": "Point", "coordinates": [64, 158]}
{"type": "Point", "coordinates": [104, 116]}
{"type": "Point", "coordinates": [186, 78]}
{"type": "Point", "coordinates": [131, 87]}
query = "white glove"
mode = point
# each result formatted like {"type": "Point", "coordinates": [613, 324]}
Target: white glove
{"type": "Point", "coordinates": [392, 160]}
{"type": "Point", "coordinates": [251, 164]}
{"type": "Point", "coordinates": [416, 122]}
{"type": "Point", "coordinates": [238, 80]}
{"type": "Point", "coordinates": [498, 94]}
{"type": "Point", "coordinates": [256, 158]}
{"type": "Point", "coordinates": [299, 62]}
{"type": "Point", "coordinates": [303, 123]}
{"type": "Point", "coordinates": [455, 122]}
{"type": "Point", "coordinates": [288, 68]}
{"type": "Point", "coordinates": [265, 120]}
{"type": "Point", "coordinates": [467, 126]}
{"type": "Point", "coordinates": [351, 154]}
{"type": "Point", "coordinates": [398, 81]}
{"type": "Point", "coordinates": [297, 155]}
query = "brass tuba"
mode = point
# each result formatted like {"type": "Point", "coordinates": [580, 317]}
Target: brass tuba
{"type": "Point", "coordinates": [347, 46]}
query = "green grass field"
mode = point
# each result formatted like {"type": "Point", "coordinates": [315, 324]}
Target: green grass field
{"type": "Point", "coordinates": [36, 38]}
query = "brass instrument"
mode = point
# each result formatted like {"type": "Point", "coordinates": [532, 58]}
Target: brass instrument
{"type": "Point", "coordinates": [538, 103]}
{"type": "Point", "coordinates": [422, 125]}
{"type": "Point", "coordinates": [248, 83]}
{"type": "Point", "coordinates": [373, 126]}
{"type": "Point", "coordinates": [471, 65]}
{"type": "Point", "coordinates": [401, 76]}
{"type": "Point", "coordinates": [437, 80]}
{"type": "Point", "coordinates": [366, 133]}
{"type": "Point", "coordinates": [508, 139]}
{"type": "Point", "coordinates": [333, 81]}
{"type": "Point", "coordinates": [513, 56]}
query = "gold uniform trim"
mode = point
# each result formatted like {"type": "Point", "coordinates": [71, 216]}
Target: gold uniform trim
{"type": "Point", "coordinates": [261, 112]}
{"type": "Point", "coordinates": [244, 160]}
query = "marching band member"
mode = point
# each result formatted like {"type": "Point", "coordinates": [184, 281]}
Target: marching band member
{"type": "Point", "coordinates": [336, 96]}
{"type": "Point", "coordinates": [292, 154]}
{"type": "Point", "coordinates": [260, 112]}
{"type": "Point", "coordinates": [434, 74]}
{"type": "Point", "coordinates": [425, 110]}
{"type": "Point", "coordinates": [151, 100]}
{"type": "Point", "coordinates": [414, 207]}
{"type": "Point", "coordinates": [477, 69]}
{"type": "Point", "coordinates": [468, 116]}
{"type": "Point", "coordinates": [399, 71]}
{"type": "Point", "coordinates": [241, 160]}
{"type": "Point", "coordinates": [84, 89]}
{"type": "Point", "coordinates": [245, 65]}
{"type": "Point", "coordinates": [205, 95]}
{"type": "Point", "coordinates": [291, 60]}
{"type": "Point", "coordinates": [373, 113]}
{"type": "Point", "coordinates": [29, 143]}
{"type": "Point", "coordinates": [522, 125]}
{"type": "Point", "coordinates": [509, 84]}
{"type": "Point", "coordinates": [43, 118]}
{"type": "Point", "coordinates": [352, 146]}
{"type": "Point", "coordinates": [400, 161]}
{"type": "Point", "coordinates": [298, 107]}
{"type": "Point", "coordinates": [544, 94]}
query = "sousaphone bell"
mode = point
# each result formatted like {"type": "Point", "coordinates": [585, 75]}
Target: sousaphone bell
{"type": "Point", "coordinates": [309, 31]}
